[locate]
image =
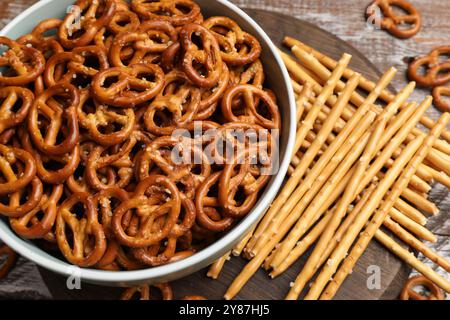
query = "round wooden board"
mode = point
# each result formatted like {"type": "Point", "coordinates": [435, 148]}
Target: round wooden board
{"type": "Point", "coordinates": [393, 272]}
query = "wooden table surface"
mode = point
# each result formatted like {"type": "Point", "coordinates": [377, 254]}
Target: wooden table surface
{"type": "Point", "coordinates": [345, 19]}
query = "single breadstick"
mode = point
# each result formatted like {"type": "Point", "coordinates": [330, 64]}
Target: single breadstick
{"type": "Point", "coordinates": [285, 249]}
{"type": "Point", "coordinates": [440, 177]}
{"type": "Point", "coordinates": [410, 212]}
{"type": "Point", "coordinates": [303, 99]}
{"type": "Point", "coordinates": [341, 250]}
{"type": "Point", "coordinates": [416, 244]}
{"type": "Point", "coordinates": [439, 163]}
{"type": "Point", "coordinates": [352, 123]}
{"type": "Point", "coordinates": [237, 250]}
{"type": "Point", "coordinates": [299, 171]}
{"type": "Point", "coordinates": [420, 202]}
{"type": "Point", "coordinates": [411, 225]}
{"type": "Point", "coordinates": [311, 62]}
{"type": "Point", "coordinates": [381, 214]}
{"type": "Point", "coordinates": [365, 83]}
{"type": "Point", "coordinates": [216, 267]}
{"type": "Point", "coordinates": [410, 259]}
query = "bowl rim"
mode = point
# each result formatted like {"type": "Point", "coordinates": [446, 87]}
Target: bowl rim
{"type": "Point", "coordinates": [62, 267]}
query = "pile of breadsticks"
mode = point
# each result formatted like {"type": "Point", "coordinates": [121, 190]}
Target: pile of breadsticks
{"type": "Point", "coordinates": [360, 166]}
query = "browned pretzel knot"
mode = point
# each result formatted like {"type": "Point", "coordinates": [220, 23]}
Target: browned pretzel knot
{"type": "Point", "coordinates": [182, 160]}
{"type": "Point", "coordinates": [207, 205]}
{"type": "Point", "coordinates": [144, 292]}
{"type": "Point", "coordinates": [177, 12]}
{"type": "Point", "coordinates": [72, 35]}
{"type": "Point", "coordinates": [439, 101]}
{"type": "Point", "coordinates": [88, 243]}
{"type": "Point", "coordinates": [123, 20]}
{"type": "Point", "coordinates": [249, 177]}
{"type": "Point", "coordinates": [155, 198]}
{"type": "Point", "coordinates": [135, 85]}
{"type": "Point", "coordinates": [106, 201]}
{"type": "Point", "coordinates": [43, 38]}
{"type": "Point", "coordinates": [106, 125]}
{"type": "Point", "coordinates": [436, 73]}
{"type": "Point", "coordinates": [250, 74]}
{"type": "Point", "coordinates": [393, 22]}
{"type": "Point", "coordinates": [103, 162]}
{"type": "Point", "coordinates": [54, 111]}
{"type": "Point", "coordinates": [202, 65]}
{"type": "Point", "coordinates": [77, 67]}
{"type": "Point", "coordinates": [142, 45]}
{"type": "Point", "coordinates": [181, 103]}
{"type": "Point", "coordinates": [268, 118]}
{"type": "Point", "coordinates": [30, 196]}
{"type": "Point", "coordinates": [408, 292]}
{"type": "Point", "coordinates": [37, 223]}
{"type": "Point", "coordinates": [9, 158]}
{"type": "Point", "coordinates": [237, 47]}
{"type": "Point", "coordinates": [8, 264]}
{"type": "Point", "coordinates": [23, 64]}
{"type": "Point", "coordinates": [159, 254]}
{"type": "Point", "coordinates": [10, 115]}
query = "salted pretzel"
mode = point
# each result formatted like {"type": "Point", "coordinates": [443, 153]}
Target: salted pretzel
{"type": "Point", "coordinates": [207, 205]}
{"type": "Point", "coordinates": [251, 112]}
{"type": "Point", "coordinates": [143, 45]}
{"type": "Point", "coordinates": [72, 67]}
{"type": "Point", "coordinates": [177, 12]}
{"type": "Point", "coordinates": [23, 64]}
{"type": "Point", "coordinates": [209, 56]}
{"type": "Point", "coordinates": [155, 197]}
{"type": "Point", "coordinates": [248, 74]}
{"type": "Point", "coordinates": [408, 292]}
{"type": "Point", "coordinates": [8, 264]}
{"type": "Point", "coordinates": [40, 40]}
{"type": "Point", "coordinates": [392, 22]}
{"type": "Point", "coordinates": [34, 226]}
{"type": "Point", "coordinates": [179, 159]}
{"type": "Point", "coordinates": [48, 106]}
{"type": "Point", "coordinates": [14, 181]}
{"type": "Point", "coordinates": [436, 73]}
{"type": "Point", "coordinates": [439, 101]}
{"type": "Point", "coordinates": [132, 87]}
{"type": "Point", "coordinates": [179, 98]}
{"type": "Point", "coordinates": [249, 177]}
{"type": "Point", "coordinates": [23, 201]}
{"type": "Point", "coordinates": [106, 125]}
{"type": "Point", "coordinates": [90, 22]}
{"type": "Point", "coordinates": [10, 115]}
{"type": "Point", "coordinates": [84, 227]}
{"type": "Point", "coordinates": [237, 47]}
{"type": "Point", "coordinates": [144, 292]}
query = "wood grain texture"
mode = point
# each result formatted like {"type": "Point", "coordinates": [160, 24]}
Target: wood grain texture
{"type": "Point", "coordinates": [345, 19]}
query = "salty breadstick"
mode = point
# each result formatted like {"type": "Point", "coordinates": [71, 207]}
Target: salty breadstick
{"type": "Point", "coordinates": [290, 240]}
{"type": "Point", "coordinates": [299, 171]}
{"type": "Point", "coordinates": [410, 212]}
{"type": "Point", "coordinates": [237, 250]}
{"type": "Point", "coordinates": [216, 267]}
{"type": "Point", "coordinates": [352, 123]}
{"type": "Point", "coordinates": [309, 268]}
{"type": "Point", "coordinates": [365, 84]}
{"type": "Point", "coordinates": [411, 225]}
{"type": "Point", "coordinates": [418, 245]}
{"type": "Point", "coordinates": [410, 259]}
{"type": "Point", "coordinates": [381, 214]}
{"type": "Point", "coordinates": [323, 72]}
{"type": "Point", "coordinates": [420, 202]}
{"type": "Point", "coordinates": [440, 177]}
{"type": "Point", "coordinates": [303, 99]}
{"type": "Point", "coordinates": [341, 250]}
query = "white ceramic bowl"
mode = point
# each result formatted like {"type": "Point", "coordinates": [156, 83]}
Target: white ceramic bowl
{"type": "Point", "coordinates": [277, 80]}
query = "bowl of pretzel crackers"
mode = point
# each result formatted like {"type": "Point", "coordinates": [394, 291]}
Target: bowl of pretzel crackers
{"type": "Point", "coordinates": [139, 140]}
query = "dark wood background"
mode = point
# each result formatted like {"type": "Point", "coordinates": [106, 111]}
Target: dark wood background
{"type": "Point", "coordinates": [345, 19]}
